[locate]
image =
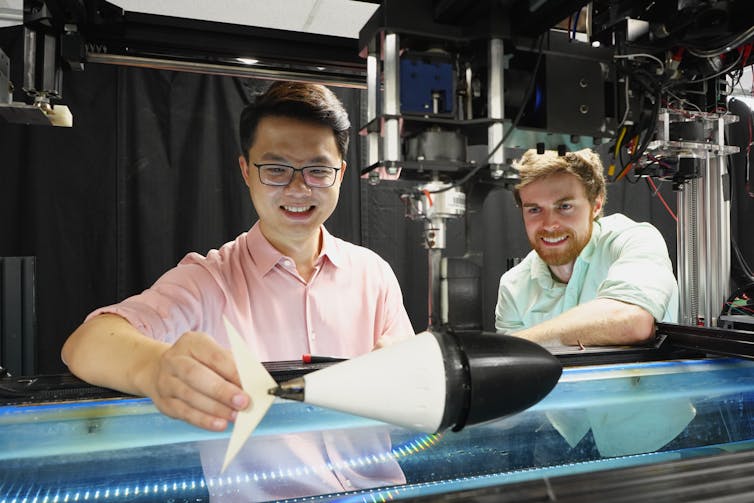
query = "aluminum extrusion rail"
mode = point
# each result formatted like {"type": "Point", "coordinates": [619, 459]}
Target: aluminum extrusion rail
{"type": "Point", "coordinates": [717, 341]}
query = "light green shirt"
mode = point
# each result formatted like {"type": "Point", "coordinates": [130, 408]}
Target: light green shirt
{"type": "Point", "coordinates": [624, 260]}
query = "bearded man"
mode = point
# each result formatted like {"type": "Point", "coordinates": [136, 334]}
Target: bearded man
{"type": "Point", "coordinates": [590, 279]}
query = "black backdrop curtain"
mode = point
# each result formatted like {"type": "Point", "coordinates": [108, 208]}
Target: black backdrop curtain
{"type": "Point", "coordinates": [742, 195]}
{"type": "Point", "coordinates": [149, 172]}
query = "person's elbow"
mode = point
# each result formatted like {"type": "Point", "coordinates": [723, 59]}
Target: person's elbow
{"type": "Point", "coordinates": [639, 324]}
{"type": "Point", "coordinates": [70, 353]}
{"type": "Point", "coordinates": [79, 350]}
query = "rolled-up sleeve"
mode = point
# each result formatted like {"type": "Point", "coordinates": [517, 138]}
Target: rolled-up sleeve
{"type": "Point", "coordinates": [641, 272]}
{"type": "Point", "coordinates": [507, 316]}
{"type": "Point", "coordinates": [175, 304]}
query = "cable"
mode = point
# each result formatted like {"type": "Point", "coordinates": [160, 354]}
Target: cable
{"type": "Point", "coordinates": [747, 149]}
{"type": "Point", "coordinates": [742, 261]}
{"type": "Point", "coordinates": [683, 102]}
{"type": "Point", "coordinates": [741, 293]}
{"type": "Point", "coordinates": [643, 129]}
{"type": "Point", "coordinates": [657, 160]}
{"type": "Point", "coordinates": [656, 192]}
{"type": "Point", "coordinates": [678, 83]}
{"type": "Point", "coordinates": [627, 167]}
{"type": "Point", "coordinates": [460, 182]}
{"type": "Point", "coordinates": [616, 153]}
{"type": "Point", "coordinates": [628, 104]}
{"type": "Point", "coordinates": [732, 44]}
{"type": "Point", "coordinates": [648, 86]}
{"type": "Point", "coordinates": [649, 130]}
{"type": "Point", "coordinates": [746, 311]}
{"type": "Point", "coordinates": [575, 23]}
{"type": "Point", "coordinates": [631, 57]}
{"type": "Point", "coordinates": [721, 72]}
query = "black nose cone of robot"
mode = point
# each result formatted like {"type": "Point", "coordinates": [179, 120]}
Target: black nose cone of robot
{"type": "Point", "coordinates": [492, 375]}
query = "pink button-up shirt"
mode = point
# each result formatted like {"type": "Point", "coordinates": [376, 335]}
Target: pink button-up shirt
{"type": "Point", "coordinates": [351, 301]}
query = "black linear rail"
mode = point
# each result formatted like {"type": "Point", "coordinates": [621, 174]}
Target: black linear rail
{"type": "Point", "coordinates": [148, 34]}
{"type": "Point", "coordinates": [66, 387]}
{"type": "Point", "coordinates": [718, 341]}
{"type": "Point", "coordinates": [107, 30]}
{"type": "Point", "coordinates": [674, 342]}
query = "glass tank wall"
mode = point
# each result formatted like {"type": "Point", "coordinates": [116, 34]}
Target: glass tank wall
{"type": "Point", "coordinates": [596, 418]}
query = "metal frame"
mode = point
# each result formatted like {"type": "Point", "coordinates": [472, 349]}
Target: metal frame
{"type": "Point", "coordinates": [202, 44]}
{"type": "Point", "coordinates": [711, 340]}
{"type": "Point", "coordinates": [106, 34]}
{"type": "Point", "coordinates": [18, 327]}
{"type": "Point", "coordinates": [703, 245]}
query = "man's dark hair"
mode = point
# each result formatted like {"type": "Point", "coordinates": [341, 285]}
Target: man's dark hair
{"type": "Point", "coordinates": [296, 100]}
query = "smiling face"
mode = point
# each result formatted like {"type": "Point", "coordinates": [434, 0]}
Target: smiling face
{"type": "Point", "coordinates": [291, 216]}
{"type": "Point", "coordinates": [558, 218]}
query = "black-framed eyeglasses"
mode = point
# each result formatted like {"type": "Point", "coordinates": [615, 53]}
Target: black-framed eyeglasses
{"type": "Point", "coordinates": [281, 175]}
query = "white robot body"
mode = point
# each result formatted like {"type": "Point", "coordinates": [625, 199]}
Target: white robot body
{"type": "Point", "coordinates": [367, 386]}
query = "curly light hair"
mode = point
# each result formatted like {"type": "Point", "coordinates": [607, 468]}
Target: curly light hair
{"type": "Point", "coordinates": [584, 164]}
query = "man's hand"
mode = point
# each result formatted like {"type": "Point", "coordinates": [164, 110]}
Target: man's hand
{"type": "Point", "coordinates": [196, 380]}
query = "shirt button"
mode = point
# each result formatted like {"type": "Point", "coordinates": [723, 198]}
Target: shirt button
{"type": "Point", "coordinates": [312, 336]}
{"type": "Point", "coordinates": [287, 263]}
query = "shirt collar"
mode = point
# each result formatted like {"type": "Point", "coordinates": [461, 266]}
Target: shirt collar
{"type": "Point", "coordinates": [266, 256]}
{"type": "Point", "coordinates": [588, 251]}
{"type": "Point", "coordinates": [540, 271]}
{"type": "Point", "coordinates": [330, 248]}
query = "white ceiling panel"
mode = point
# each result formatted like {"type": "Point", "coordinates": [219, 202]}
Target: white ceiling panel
{"type": "Point", "coordinates": [11, 12]}
{"type": "Point", "coordinates": [342, 18]}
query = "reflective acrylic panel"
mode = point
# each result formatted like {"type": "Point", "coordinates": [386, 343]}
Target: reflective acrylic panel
{"type": "Point", "coordinates": [596, 418]}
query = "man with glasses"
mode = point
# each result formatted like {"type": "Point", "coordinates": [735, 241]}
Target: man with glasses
{"type": "Point", "coordinates": [288, 285]}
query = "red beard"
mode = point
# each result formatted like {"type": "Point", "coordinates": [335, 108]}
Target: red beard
{"type": "Point", "coordinates": [562, 254]}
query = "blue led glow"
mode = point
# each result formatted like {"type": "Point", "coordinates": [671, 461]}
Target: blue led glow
{"type": "Point", "coordinates": [115, 493]}
{"type": "Point", "coordinates": [64, 495]}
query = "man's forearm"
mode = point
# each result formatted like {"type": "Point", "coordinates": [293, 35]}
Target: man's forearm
{"type": "Point", "coordinates": [599, 322]}
{"type": "Point", "coordinates": [108, 351]}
